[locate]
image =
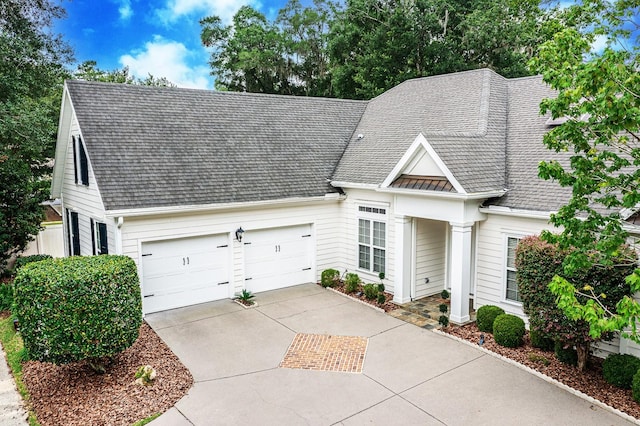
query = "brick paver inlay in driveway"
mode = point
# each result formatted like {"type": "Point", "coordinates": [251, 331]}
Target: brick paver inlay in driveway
{"type": "Point", "coordinates": [326, 353]}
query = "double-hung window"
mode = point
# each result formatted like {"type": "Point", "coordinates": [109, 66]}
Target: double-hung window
{"type": "Point", "coordinates": [512, 292]}
{"type": "Point", "coordinates": [99, 237]}
{"type": "Point", "coordinates": [372, 238]}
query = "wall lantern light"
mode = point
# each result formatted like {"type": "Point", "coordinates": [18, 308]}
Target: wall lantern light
{"type": "Point", "coordinates": [239, 234]}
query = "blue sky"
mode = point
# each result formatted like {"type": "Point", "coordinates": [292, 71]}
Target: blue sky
{"type": "Point", "coordinates": [161, 37]}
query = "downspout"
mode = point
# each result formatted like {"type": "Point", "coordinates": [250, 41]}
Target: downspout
{"type": "Point", "coordinates": [118, 234]}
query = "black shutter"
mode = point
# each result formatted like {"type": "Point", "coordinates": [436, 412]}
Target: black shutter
{"type": "Point", "coordinates": [75, 159]}
{"type": "Point", "coordinates": [75, 234]}
{"type": "Point", "coordinates": [69, 245]}
{"type": "Point", "coordinates": [84, 164]}
{"type": "Point", "coordinates": [93, 237]}
{"type": "Point", "coordinates": [102, 231]}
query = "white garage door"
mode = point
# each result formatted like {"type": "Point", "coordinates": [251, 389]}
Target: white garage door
{"type": "Point", "coordinates": [184, 272]}
{"type": "Point", "coordinates": [278, 257]}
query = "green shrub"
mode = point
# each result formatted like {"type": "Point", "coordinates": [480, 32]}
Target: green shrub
{"type": "Point", "coordinates": [78, 308]}
{"type": "Point", "coordinates": [443, 320]}
{"type": "Point", "coordinates": [508, 330]}
{"type": "Point", "coordinates": [329, 277]}
{"type": "Point", "coordinates": [619, 369]}
{"type": "Point", "coordinates": [370, 291]}
{"type": "Point", "coordinates": [381, 287]}
{"type": "Point", "coordinates": [566, 355]}
{"type": "Point", "coordinates": [382, 299]}
{"type": "Point", "coordinates": [444, 294]}
{"type": "Point", "coordinates": [443, 307]}
{"type": "Point", "coordinates": [539, 341]}
{"type": "Point", "coordinates": [21, 261]}
{"type": "Point", "coordinates": [351, 282]}
{"type": "Point", "coordinates": [635, 386]}
{"type": "Point", "coordinates": [6, 296]}
{"type": "Point", "coordinates": [486, 315]}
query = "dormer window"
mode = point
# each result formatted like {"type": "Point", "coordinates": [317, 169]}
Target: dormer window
{"type": "Point", "coordinates": [81, 164]}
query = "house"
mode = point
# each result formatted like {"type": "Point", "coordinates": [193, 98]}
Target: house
{"type": "Point", "coordinates": [432, 183]}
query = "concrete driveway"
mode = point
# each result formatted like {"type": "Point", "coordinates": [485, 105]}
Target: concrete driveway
{"type": "Point", "coordinates": [410, 376]}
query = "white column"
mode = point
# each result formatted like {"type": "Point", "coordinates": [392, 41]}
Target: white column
{"type": "Point", "coordinates": [460, 275]}
{"type": "Point", "coordinates": [403, 256]}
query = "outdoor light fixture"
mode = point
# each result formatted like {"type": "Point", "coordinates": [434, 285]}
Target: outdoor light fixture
{"type": "Point", "coordinates": [239, 234]}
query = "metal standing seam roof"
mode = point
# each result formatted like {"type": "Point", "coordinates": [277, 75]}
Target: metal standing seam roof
{"type": "Point", "coordinates": [156, 146]}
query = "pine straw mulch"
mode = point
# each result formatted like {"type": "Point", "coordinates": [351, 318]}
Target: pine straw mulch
{"type": "Point", "coordinates": [73, 394]}
{"type": "Point", "coordinates": [387, 306]}
{"type": "Point", "coordinates": [589, 382]}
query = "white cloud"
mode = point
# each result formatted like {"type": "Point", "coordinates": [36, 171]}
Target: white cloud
{"type": "Point", "coordinates": [124, 9]}
{"type": "Point", "coordinates": [225, 9]}
{"type": "Point", "coordinates": [170, 59]}
{"type": "Point", "coordinates": [599, 43]}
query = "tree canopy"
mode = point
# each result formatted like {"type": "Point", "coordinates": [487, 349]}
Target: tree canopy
{"type": "Point", "coordinates": [89, 71]}
{"type": "Point", "coordinates": [32, 68]}
{"type": "Point", "coordinates": [598, 97]}
{"type": "Point", "coordinates": [361, 48]}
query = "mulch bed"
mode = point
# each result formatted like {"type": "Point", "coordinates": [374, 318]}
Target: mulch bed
{"type": "Point", "coordinates": [589, 382]}
{"type": "Point", "coordinates": [387, 306]}
{"type": "Point", "coordinates": [73, 394]}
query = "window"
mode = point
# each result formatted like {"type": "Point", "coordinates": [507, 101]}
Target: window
{"type": "Point", "coordinates": [99, 237]}
{"type": "Point", "coordinates": [73, 233]}
{"type": "Point", "coordinates": [512, 292]}
{"type": "Point", "coordinates": [372, 238]}
{"type": "Point", "coordinates": [81, 164]}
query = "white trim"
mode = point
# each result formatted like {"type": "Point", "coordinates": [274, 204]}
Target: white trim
{"type": "Point", "coordinates": [505, 250]}
{"type": "Point", "coordinates": [421, 141]}
{"type": "Point", "coordinates": [149, 211]}
{"type": "Point", "coordinates": [508, 211]}
{"type": "Point", "coordinates": [372, 217]}
{"type": "Point", "coordinates": [353, 185]}
{"type": "Point", "coordinates": [440, 194]}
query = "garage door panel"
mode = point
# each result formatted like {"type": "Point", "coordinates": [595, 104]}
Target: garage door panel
{"type": "Point", "coordinates": [185, 271]}
{"type": "Point", "coordinates": [278, 257]}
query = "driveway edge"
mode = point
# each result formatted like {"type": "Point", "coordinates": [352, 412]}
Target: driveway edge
{"type": "Point", "coordinates": [545, 378]}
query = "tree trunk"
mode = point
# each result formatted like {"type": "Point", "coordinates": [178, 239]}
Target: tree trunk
{"type": "Point", "coordinates": [583, 355]}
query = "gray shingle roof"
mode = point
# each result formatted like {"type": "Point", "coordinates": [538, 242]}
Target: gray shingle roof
{"type": "Point", "coordinates": [525, 130]}
{"type": "Point", "coordinates": [152, 147]}
{"type": "Point", "coordinates": [462, 116]}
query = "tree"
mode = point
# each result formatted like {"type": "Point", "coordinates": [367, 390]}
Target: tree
{"type": "Point", "coordinates": [598, 94]}
{"type": "Point", "coordinates": [32, 68]}
{"type": "Point", "coordinates": [537, 263]}
{"type": "Point", "coordinates": [89, 71]}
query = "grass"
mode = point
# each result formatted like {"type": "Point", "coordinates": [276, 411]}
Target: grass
{"type": "Point", "coordinates": [15, 353]}
{"type": "Point", "coordinates": [147, 420]}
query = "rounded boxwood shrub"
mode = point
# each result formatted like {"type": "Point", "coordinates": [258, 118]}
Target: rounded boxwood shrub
{"type": "Point", "coordinates": [486, 315]}
{"type": "Point", "coordinates": [566, 355]}
{"type": "Point", "coordinates": [635, 386]}
{"type": "Point", "coordinates": [78, 308]}
{"type": "Point", "coordinates": [619, 369]}
{"type": "Point", "coordinates": [329, 277]}
{"type": "Point", "coordinates": [538, 340]}
{"type": "Point", "coordinates": [508, 330]}
{"type": "Point", "coordinates": [21, 261]}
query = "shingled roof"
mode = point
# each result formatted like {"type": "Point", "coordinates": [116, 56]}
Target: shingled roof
{"type": "Point", "coordinates": [161, 147]}
{"type": "Point", "coordinates": [462, 116]}
{"type": "Point", "coordinates": [152, 146]}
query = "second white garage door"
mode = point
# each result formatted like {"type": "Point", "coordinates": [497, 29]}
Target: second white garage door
{"type": "Point", "coordinates": [278, 257]}
{"type": "Point", "coordinates": [184, 272]}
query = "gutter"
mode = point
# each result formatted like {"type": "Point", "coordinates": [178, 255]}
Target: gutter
{"type": "Point", "coordinates": [508, 211]}
{"type": "Point", "coordinates": [150, 211]}
{"type": "Point", "coordinates": [449, 195]}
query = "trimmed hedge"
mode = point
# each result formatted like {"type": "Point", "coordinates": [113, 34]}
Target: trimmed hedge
{"type": "Point", "coordinates": [539, 341]}
{"type": "Point", "coordinates": [21, 261]}
{"type": "Point", "coordinates": [486, 315]}
{"type": "Point", "coordinates": [329, 277]}
{"type": "Point", "coordinates": [508, 330]}
{"type": "Point", "coordinates": [78, 308]}
{"type": "Point", "coordinates": [619, 369]}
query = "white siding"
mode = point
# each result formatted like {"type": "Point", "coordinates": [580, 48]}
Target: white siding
{"type": "Point", "coordinates": [490, 258]}
{"type": "Point", "coordinates": [431, 237]}
{"type": "Point", "coordinates": [85, 200]}
{"type": "Point", "coordinates": [48, 241]}
{"type": "Point", "coordinates": [356, 198]}
{"type": "Point", "coordinates": [321, 215]}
